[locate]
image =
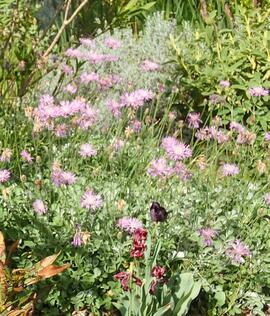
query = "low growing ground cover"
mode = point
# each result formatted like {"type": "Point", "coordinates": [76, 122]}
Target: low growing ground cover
{"type": "Point", "coordinates": [103, 163]}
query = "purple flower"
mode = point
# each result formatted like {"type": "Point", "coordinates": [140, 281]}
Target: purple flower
{"type": "Point", "coordinates": [182, 171]}
{"type": "Point", "coordinates": [115, 108]}
{"type": "Point", "coordinates": [203, 134]}
{"type": "Point", "coordinates": [87, 42]}
{"type": "Point", "coordinates": [267, 198]}
{"type": "Point", "coordinates": [224, 83]}
{"type": "Point", "coordinates": [87, 150]}
{"type": "Point", "coordinates": [175, 149]}
{"type": "Point", "coordinates": [159, 168]}
{"type": "Point", "coordinates": [26, 156]}
{"type": "Point", "coordinates": [136, 126]}
{"type": "Point", "coordinates": [194, 120]}
{"type": "Point", "coordinates": [237, 251]}
{"type": "Point", "coordinates": [258, 92]}
{"type": "Point", "coordinates": [118, 144]}
{"type": "Point", "coordinates": [207, 234]}
{"type": "Point", "coordinates": [67, 69]}
{"type": "Point", "coordinates": [60, 130]}
{"type": "Point", "coordinates": [149, 65]}
{"type": "Point", "coordinates": [234, 126]}
{"type": "Point", "coordinates": [137, 98]}
{"type": "Point", "coordinates": [129, 224]}
{"type": "Point", "coordinates": [112, 43]}
{"type": "Point", "coordinates": [229, 169]}
{"type": "Point", "coordinates": [4, 175]}
{"type": "Point", "coordinates": [71, 88]}
{"type": "Point", "coordinates": [91, 201]}
{"type": "Point", "coordinates": [157, 212]}
{"type": "Point", "coordinates": [216, 99]}
{"type": "Point", "coordinates": [68, 177]}
{"type": "Point", "coordinates": [267, 137]}
{"type": "Point", "coordinates": [39, 207]}
{"type": "Point", "coordinates": [86, 77]}
{"type": "Point", "coordinates": [77, 238]}
{"type": "Point", "coordinates": [60, 177]}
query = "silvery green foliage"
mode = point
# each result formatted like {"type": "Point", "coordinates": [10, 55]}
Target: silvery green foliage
{"type": "Point", "coordinates": [151, 44]}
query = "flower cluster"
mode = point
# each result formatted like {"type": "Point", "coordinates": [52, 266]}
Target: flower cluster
{"type": "Point", "coordinates": [60, 177]}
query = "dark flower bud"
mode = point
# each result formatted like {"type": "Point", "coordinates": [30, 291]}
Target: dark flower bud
{"type": "Point", "coordinates": [158, 213]}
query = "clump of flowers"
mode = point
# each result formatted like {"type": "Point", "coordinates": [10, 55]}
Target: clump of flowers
{"type": "Point", "coordinates": [237, 251]}
{"type": "Point", "coordinates": [137, 98]}
{"type": "Point", "coordinates": [129, 224]}
{"type": "Point", "coordinates": [207, 234]}
{"type": "Point", "coordinates": [39, 207]}
{"type": "Point", "coordinates": [91, 201]}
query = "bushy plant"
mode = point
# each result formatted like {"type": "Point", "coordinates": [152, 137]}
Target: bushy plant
{"type": "Point", "coordinates": [234, 60]}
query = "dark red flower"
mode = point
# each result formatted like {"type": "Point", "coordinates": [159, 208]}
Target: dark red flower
{"type": "Point", "coordinates": [158, 272]}
{"type": "Point", "coordinates": [124, 278]}
{"type": "Point", "coordinates": [153, 287]}
{"type": "Point", "coordinates": [139, 243]}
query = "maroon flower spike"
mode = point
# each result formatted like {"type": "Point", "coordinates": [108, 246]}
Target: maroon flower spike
{"type": "Point", "coordinates": [139, 243]}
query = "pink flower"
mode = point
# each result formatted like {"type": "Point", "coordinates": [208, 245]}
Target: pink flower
{"type": "Point", "coordinates": [194, 120]}
{"type": "Point", "coordinates": [60, 130]}
{"type": "Point", "coordinates": [115, 108]}
{"type": "Point", "coordinates": [182, 171]}
{"type": "Point", "coordinates": [86, 77]}
{"type": "Point", "coordinates": [175, 149]}
{"type": "Point", "coordinates": [91, 201]}
{"type": "Point", "coordinates": [149, 65]}
{"type": "Point", "coordinates": [237, 251]}
{"type": "Point", "coordinates": [112, 43]}
{"type": "Point", "coordinates": [71, 88]}
{"type": "Point", "coordinates": [118, 144]}
{"type": "Point", "coordinates": [237, 127]}
{"type": "Point", "coordinates": [26, 156]}
{"type": "Point", "coordinates": [224, 83]}
{"type": "Point", "coordinates": [129, 224]}
{"type": "Point", "coordinates": [207, 234]}
{"type": "Point", "coordinates": [159, 168]}
{"type": "Point", "coordinates": [125, 280]}
{"type": "Point", "coordinates": [267, 198]}
{"type": "Point", "coordinates": [137, 98]}
{"type": "Point", "coordinates": [4, 175]}
{"type": "Point", "coordinates": [258, 92]}
{"type": "Point", "coordinates": [77, 238]}
{"type": "Point", "coordinates": [87, 42]}
{"type": "Point", "coordinates": [87, 150]}
{"type": "Point", "coordinates": [39, 207]}
{"type": "Point", "coordinates": [74, 53]}
{"type": "Point", "coordinates": [60, 177]}
{"type": "Point", "coordinates": [267, 137]}
{"type": "Point", "coordinates": [229, 169]}
{"type": "Point", "coordinates": [136, 126]}
{"type": "Point", "coordinates": [67, 69]}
